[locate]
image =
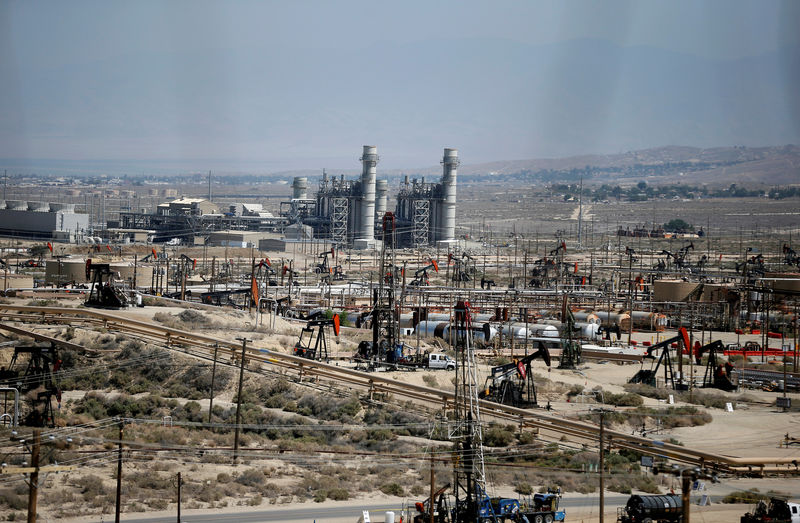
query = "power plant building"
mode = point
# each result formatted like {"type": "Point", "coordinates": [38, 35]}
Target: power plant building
{"type": "Point", "coordinates": [42, 220]}
{"type": "Point", "coordinates": [350, 212]}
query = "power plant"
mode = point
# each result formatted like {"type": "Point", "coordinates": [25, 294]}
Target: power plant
{"type": "Point", "coordinates": [349, 211]}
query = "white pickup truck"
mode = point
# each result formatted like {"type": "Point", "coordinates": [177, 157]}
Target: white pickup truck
{"type": "Point", "coordinates": [440, 361]}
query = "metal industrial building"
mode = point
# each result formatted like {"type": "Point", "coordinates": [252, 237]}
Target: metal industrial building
{"type": "Point", "coordinates": [42, 220]}
{"type": "Point", "coordinates": [187, 218]}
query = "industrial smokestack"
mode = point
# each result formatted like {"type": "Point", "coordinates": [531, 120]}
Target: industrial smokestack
{"type": "Point", "coordinates": [447, 223]}
{"type": "Point", "coordinates": [369, 161]}
{"type": "Point", "coordinates": [381, 198]}
{"type": "Point", "coordinates": [300, 188]}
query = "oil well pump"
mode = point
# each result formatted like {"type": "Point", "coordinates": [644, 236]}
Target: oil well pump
{"type": "Point", "coordinates": [512, 383]}
{"type": "Point", "coordinates": [103, 291]}
{"type": "Point", "coordinates": [312, 343]}
{"type": "Point", "coordinates": [421, 274]}
{"type": "Point", "coordinates": [717, 374]}
{"type": "Point", "coordinates": [264, 274]}
{"type": "Point", "coordinates": [648, 376]}
{"type": "Point", "coordinates": [790, 257]}
{"type": "Point", "coordinates": [324, 267]}
{"type": "Point", "coordinates": [36, 381]}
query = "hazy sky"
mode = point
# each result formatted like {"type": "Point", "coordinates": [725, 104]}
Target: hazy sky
{"type": "Point", "coordinates": [247, 82]}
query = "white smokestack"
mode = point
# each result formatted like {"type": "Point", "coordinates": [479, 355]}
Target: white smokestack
{"type": "Point", "coordinates": [369, 161]}
{"type": "Point", "coordinates": [447, 224]}
{"type": "Point", "coordinates": [300, 188]}
{"type": "Point", "coordinates": [381, 198]}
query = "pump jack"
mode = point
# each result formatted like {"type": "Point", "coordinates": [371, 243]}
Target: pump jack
{"type": "Point", "coordinates": [37, 381]}
{"type": "Point", "coordinates": [790, 256]}
{"type": "Point", "coordinates": [264, 273]}
{"type": "Point", "coordinates": [324, 267]}
{"type": "Point", "coordinates": [512, 383]}
{"type": "Point", "coordinates": [648, 376]}
{"type": "Point", "coordinates": [441, 512]}
{"type": "Point", "coordinates": [103, 293]}
{"type": "Point", "coordinates": [421, 275]}
{"type": "Point", "coordinates": [717, 374]}
{"type": "Point", "coordinates": [314, 346]}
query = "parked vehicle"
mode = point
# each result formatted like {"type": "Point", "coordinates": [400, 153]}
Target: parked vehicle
{"type": "Point", "coordinates": [775, 511]}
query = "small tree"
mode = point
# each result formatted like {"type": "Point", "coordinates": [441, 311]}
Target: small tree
{"type": "Point", "coordinates": [678, 225]}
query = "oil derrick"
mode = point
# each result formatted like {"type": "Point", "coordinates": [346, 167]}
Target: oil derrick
{"type": "Point", "coordinates": [469, 474]}
{"type": "Point", "coordinates": [36, 382]}
{"type": "Point", "coordinates": [570, 348]}
{"type": "Point", "coordinates": [385, 325]}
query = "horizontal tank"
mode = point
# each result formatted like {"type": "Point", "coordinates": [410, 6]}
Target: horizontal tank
{"type": "Point", "coordinates": [649, 320]}
{"type": "Point", "coordinates": [621, 319]}
{"type": "Point", "coordinates": [441, 329]}
{"type": "Point", "coordinates": [586, 330]}
{"type": "Point", "coordinates": [586, 316]}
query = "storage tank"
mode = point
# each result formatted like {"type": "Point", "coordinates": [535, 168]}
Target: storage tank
{"type": "Point", "coordinates": [655, 508]}
{"type": "Point", "coordinates": [649, 320]}
{"type": "Point", "coordinates": [586, 330]}
{"type": "Point", "coordinates": [73, 270]}
{"type": "Point", "coordinates": [672, 290]}
{"type": "Point", "coordinates": [586, 316]}
{"type": "Point", "coordinates": [534, 330]}
{"type": "Point", "coordinates": [621, 319]}
{"type": "Point", "coordinates": [441, 329]}
{"type": "Point", "coordinates": [369, 162]}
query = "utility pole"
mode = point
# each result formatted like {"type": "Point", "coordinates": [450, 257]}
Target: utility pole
{"type": "Point", "coordinates": [601, 465]}
{"type": "Point", "coordinates": [33, 485]}
{"type": "Point", "coordinates": [213, 377]}
{"type": "Point", "coordinates": [119, 474]}
{"type": "Point", "coordinates": [180, 484]}
{"type": "Point", "coordinates": [433, 487]}
{"type": "Point", "coordinates": [686, 489]}
{"type": "Point", "coordinates": [580, 216]}
{"type": "Point", "coordinates": [239, 402]}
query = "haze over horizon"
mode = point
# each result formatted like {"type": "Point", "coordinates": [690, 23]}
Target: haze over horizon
{"type": "Point", "coordinates": [271, 86]}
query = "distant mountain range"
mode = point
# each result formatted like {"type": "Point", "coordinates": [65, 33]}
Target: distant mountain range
{"type": "Point", "coordinates": [245, 110]}
{"type": "Point", "coordinates": [779, 165]}
{"type": "Point", "coordinates": [718, 166]}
